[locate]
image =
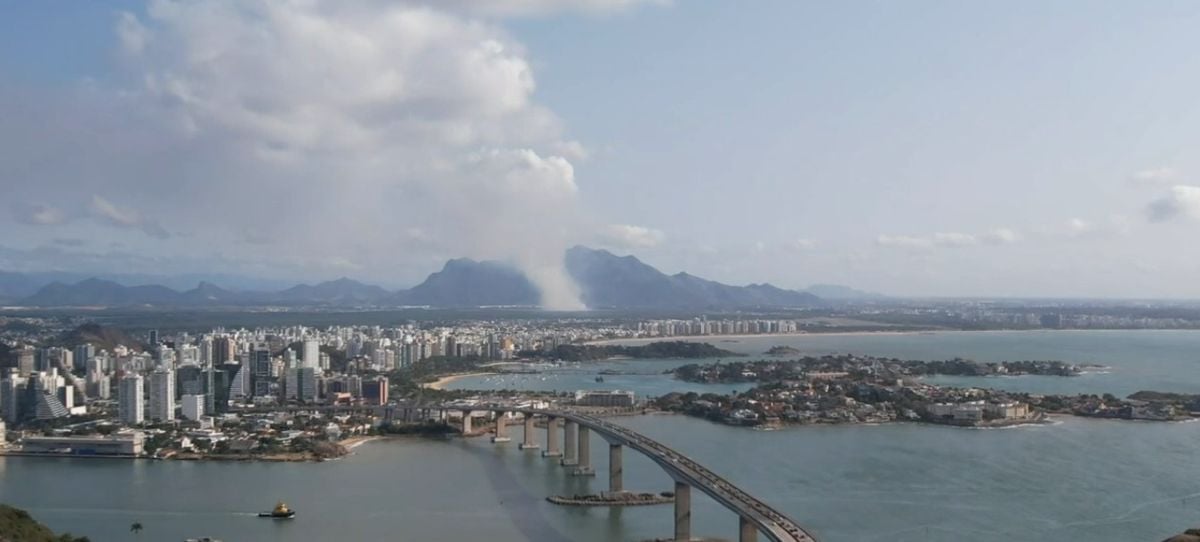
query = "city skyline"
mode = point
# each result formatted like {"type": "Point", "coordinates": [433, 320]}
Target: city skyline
{"type": "Point", "coordinates": [781, 142]}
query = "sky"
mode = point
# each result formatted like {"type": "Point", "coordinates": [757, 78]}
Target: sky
{"type": "Point", "coordinates": [916, 148]}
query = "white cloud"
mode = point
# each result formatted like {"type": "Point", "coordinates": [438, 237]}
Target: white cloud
{"type": "Point", "coordinates": [38, 215]}
{"type": "Point", "coordinates": [803, 244]}
{"type": "Point", "coordinates": [108, 213]}
{"type": "Point", "coordinates": [1181, 201]}
{"type": "Point", "coordinates": [629, 237]}
{"type": "Point", "coordinates": [1112, 226]}
{"type": "Point", "coordinates": [904, 241]}
{"type": "Point", "coordinates": [954, 239]}
{"type": "Point", "coordinates": [321, 127]}
{"type": "Point", "coordinates": [1000, 236]}
{"type": "Point", "coordinates": [1155, 176]}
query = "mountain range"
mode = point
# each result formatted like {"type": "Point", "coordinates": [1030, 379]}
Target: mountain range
{"type": "Point", "coordinates": [605, 280]}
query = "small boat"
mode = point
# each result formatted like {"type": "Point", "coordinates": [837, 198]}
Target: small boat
{"type": "Point", "coordinates": [281, 511]}
{"type": "Point", "coordinates": [599, 379]}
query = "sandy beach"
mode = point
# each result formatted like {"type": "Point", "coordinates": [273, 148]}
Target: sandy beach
{"type": "Point", "coordinates": [444, 381]}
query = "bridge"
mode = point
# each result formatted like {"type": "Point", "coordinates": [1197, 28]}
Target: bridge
{"type": "Point", "coordinates": [754, 516]}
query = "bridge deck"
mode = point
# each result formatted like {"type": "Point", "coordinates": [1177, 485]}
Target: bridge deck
{"type": "Point", "coordinates": [777, 526]}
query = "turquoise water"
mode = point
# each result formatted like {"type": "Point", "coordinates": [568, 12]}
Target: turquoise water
{"type": "Point", "coordinates": [1095, 480]}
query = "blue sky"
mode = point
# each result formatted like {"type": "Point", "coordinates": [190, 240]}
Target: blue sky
{"type": "Point", "coordinates": [922, 148]}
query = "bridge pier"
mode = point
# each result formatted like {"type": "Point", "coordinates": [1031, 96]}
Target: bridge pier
{"type": "Point", "coordinates": [683, 512]}
{"type": "Point", "coordinates": [466, 422]}
{"type": "Point", "coordinates": [551, 438]}
{"type": "Point", "coordinates": [747, 532]}
{"type": "Point", "coordinates": [501, 429]}
{"type": "Point", "coordinates": [584, 463]}
{"type": "Point", "coordinates": [570, 444]}
{"type": "Point", "coordinates": [616, 471]}
{"type": "Point", "coordinates": [528, 442]}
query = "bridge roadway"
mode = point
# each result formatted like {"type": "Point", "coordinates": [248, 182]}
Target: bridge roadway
{"type": "Point", "coordinates": [774, 524]}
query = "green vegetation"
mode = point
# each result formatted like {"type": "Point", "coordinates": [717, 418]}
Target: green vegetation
{"type": "Point", "coordinates": [17, 525]}
{"type": "Point", "coordinates": [102, 337]}
{"type": "Point", "coordinates": [425, 428]}
{"type": "Point", "coordinates": [782, 351]}
{"type": "Point", "coordinates": [655, 350]}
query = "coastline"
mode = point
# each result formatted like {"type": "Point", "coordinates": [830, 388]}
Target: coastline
{"type": "Point", "coordinates": [444, 381]}
{"type": "Point", "coordinates": [863, 333]}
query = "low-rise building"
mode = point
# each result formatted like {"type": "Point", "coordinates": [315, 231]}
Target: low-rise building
{"type": "Point", "coordinates": [118, 444]}
{"type": "Point", "coordinates": [604, 398]}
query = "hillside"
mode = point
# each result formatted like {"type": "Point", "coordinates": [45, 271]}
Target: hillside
{"type": "Point", "coordinates": [17, 525]}
{"type": "Point", "coordinates": [605, 280]}
{"type": "Point", "coordinates": [102, 337]}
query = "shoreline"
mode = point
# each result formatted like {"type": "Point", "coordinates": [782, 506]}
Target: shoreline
{"type": "Point", "coordinates": [862, 333]}
{"type": "Point", "coordinates": [444, 381]}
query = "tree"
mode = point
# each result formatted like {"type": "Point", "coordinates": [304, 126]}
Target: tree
{"type": "Point", "coordinates": [136, 528]}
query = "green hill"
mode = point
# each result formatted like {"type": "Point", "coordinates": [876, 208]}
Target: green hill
{"type": "Point", "coordinates": [17, 525]}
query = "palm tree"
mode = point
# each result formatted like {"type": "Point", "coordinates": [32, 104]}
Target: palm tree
{"type": "Point", "coordinates": [136, 528]}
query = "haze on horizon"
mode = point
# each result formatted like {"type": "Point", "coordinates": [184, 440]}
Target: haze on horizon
{"type": "Point", "coordinates": [917, 148]}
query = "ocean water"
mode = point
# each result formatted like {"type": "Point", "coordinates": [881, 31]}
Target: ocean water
{"type": "Point", "coordinates": [1078, 479]}
{"type": "Point", "coordinates": [1132, 361]}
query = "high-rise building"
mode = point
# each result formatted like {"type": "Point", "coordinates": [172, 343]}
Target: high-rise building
{"type": "Point", "coordinates": [153, 338]}
{"type": "Point", "coordinates": [239, 381]}
{"type": "Point", "coordinates": [83, 353]}
{"type": "Point", "coordinates": [25, 361]}
{"type": "Point", "coordinates": [162, 395]}
{"type": "Point", "coordinates": [192, 407]}
{"type": "Point", "coordinates": [311, 355]}
{"type": "Point", "coordinates": [262, 370]}
{"type": "Point", "coordinates": [375, 390]}
{"type": "Point", "coordinates": [129, 400]}
{"type": "Point", "coordinates": [12, 388]}
{"type": "Point", "coordinates": [189, 380]}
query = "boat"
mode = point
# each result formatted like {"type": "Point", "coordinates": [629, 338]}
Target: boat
{"type": "Point", "coordinates": [599, 379]}
{"type": "Point", "coordinates": [281, 511]}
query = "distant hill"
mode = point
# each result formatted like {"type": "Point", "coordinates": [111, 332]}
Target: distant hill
{"type": "Point", "coordinates": [17, 525]}
{"type": "Point", "coordinates": [342, 291]}
{"type": "Point", "coordinates": [102, 292]}
{"type": "Point", "coordinates": [839, 292]}
{"type": "Point", "coordinates": [605, 281]}
{"type": "Point", "coordinates": [467, 283]}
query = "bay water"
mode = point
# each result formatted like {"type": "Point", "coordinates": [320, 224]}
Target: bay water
{"type": "Point", "coordinates": [1078, 479]}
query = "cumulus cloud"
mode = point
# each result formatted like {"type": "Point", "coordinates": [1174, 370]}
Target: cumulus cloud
{"type": "Point", "coordinates": [38, 215]}
{"type": "Point", "coordinates": [1154, 176]}
{"type": "Point", "coordinates": [109, 213]}
{"type": "Point", "coordinates": [629, 237]}
{"type": "Point", "coordinates": [1182, 201]}
{"type": "Point", "coordinates": [291, 129]}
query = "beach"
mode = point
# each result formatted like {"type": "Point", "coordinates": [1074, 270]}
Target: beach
{"type": "Point", "coordinates": [444, 381]}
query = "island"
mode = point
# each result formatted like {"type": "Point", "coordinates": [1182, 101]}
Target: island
{"type": "Point", "coordinates": [655, 350]}
{"type": "Point", "coordinates": [859, 389]}
{"type": "Point", "coordinates": [778, 351]}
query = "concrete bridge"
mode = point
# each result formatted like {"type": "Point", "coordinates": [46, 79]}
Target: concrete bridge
{"type": "Point", "coordinates": [754, 516]}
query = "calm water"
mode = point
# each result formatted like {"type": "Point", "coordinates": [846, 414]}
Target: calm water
{"type": "Point", "coordinates": [1076, 480]}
